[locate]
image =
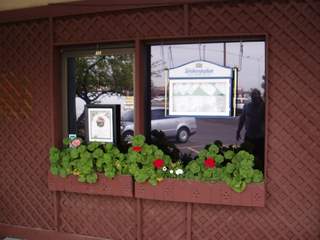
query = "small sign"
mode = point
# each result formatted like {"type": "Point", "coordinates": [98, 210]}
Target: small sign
{"type": "Point", "coordinates": [102, 123]}
{"type": "Point", "coordinates": [72, 136]}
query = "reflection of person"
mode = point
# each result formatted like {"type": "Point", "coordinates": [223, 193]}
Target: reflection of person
{"type": "Point", "coordinates": [252, 117]}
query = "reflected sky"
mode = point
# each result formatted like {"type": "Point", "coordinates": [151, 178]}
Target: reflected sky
{"type": "Point", "coordinates": [251, 64]}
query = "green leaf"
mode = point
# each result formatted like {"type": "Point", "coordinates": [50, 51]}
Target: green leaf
{"type": "Point", "coordinates": [54, 170]}
{"type": "Point", "coordinates": [219, 159]}
{"type": "Point", "coordinates": [107, 158]}
{"type": "Point", "coordinates": [66, 141]}
{"type": "Point", "coordinates": [257, 176]}
{"type": "Point", "coordinates": [108, 147]}
{"type": "Point", "coordinates": [213, 148]}
{"type": "Point", "coordinates": [230, 167]}
{"type": "Point", "coordinates": [82, 148]}
{"type": "Point", "coordinates": [92, 178]}
{"type": "Point", "coordinates": [194, 167]}
{"type": "Point", "coordinates": [238, 186]}
{"type": "Point", "coordinates": [138, 140]}
{"type": "Point", "coordinates": [82, 178]}
{"type": "Point", "coordinates": [62, 172]}
{"type": "Point", "coordinates": [216, 174]}
{"type": "Point", "coordinates": [229, 154]}
{"type": "Point", "coordinates": [54, 155]}
{"type": "Point", "coordinates": [97, 153]}
{"type": "Point", "coordinates": [109, 171]}
{"type": "Point", "coordinates": [153, 180]}
{"type": "Point", "coordinates": [92, 146]}
{"type": "Point", "coordinates": [74, 153]}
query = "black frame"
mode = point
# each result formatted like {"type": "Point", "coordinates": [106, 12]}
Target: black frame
{"type": "Point", "coordinates": [115, 120]}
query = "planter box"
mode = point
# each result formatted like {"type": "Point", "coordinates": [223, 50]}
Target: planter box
{"type": "Point", "coordinates": [119, 186]}
{"type": "Point", "coordinates": [201, 192]}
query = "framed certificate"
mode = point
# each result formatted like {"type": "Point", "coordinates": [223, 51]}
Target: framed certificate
{"type": "Point", "coordinates": [102, 123]}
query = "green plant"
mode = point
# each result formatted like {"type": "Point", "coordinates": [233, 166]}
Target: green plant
{"type": "Point", "coordinates": [112, 162]}
{"type": "Point", "coordinates": [206, 166]}
{"type": "Point", "coordinates": [149, 163]}
{"type": "Point", "coordinates": [227, 164]}
{"type": "Point", "coordinates": [239, 172]}
{"type": "Point", "coordinates": [85, 161]}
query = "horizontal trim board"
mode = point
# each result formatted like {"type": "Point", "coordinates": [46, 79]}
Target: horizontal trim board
{"type": "Point", "coordinates": [40, 234]}
{"type": "Point", "coordinates": [87, 7]}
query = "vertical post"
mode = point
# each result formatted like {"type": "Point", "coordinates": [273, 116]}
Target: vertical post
{"type": "Point", "coordinates": [55, 103]}
{"type": "Point", "coordinates": [186, 18]}
{"type": "Point", "coordinates": [189, 221]}
{"type": "Point", "coordinates": [266, 122]}
{"type": "Point", "coordinates": [235, 87]}
{"type": "Point", "coordinates": [166, 77]}
{"type": "Point", "coordinates": [139, 89]}
{"type": "Point", "coordinates": [139, 218]}
{"type": "Point", "coordinates": [224, 54]}
{"type": "Point", "coordinates": [71, 79]}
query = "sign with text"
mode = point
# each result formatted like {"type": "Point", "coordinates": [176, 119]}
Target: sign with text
{"type": "Point", "coordinates": [200, 88]}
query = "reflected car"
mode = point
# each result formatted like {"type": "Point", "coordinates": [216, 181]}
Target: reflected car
{"type": "Point", "coordinates": [180, 128]}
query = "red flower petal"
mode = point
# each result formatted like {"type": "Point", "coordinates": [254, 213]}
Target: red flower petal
{"type": "Point", "coordinates": [137, 148]}
{"type": "Point", "coordinates": [209, 162]}
{"type": "Point", "coordinates": [158, 163]}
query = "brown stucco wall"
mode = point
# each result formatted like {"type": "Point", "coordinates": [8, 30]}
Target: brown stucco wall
{"type": "Point", "coordinates": [28, 124]}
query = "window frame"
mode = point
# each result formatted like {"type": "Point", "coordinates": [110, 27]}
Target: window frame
{"type": "Point", "coordinates": [73, 52]}
{"type": "Point", "coordinates": [203, 40]}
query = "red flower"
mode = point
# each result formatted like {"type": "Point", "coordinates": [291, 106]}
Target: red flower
{"type": "Point", "coordinates": [209, 162]}
{"type": "Point", "coordinates": [158, 163]}
{"type": "Point", "coordinates": [137, 148]}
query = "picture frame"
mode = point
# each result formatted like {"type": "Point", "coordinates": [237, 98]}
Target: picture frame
{"type": "Point", "coordinates": [102, 123]}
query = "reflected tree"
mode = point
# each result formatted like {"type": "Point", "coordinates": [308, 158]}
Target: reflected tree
{"type": "Point", "coordinates": [100, 75]}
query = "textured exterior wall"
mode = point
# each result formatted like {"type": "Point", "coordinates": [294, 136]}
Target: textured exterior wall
{"type": "Point", "coordinates": [292, 208]}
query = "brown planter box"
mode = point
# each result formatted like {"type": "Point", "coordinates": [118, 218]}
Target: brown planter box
{"type": "Point", "coordinates": [201, 192]}
{"type": "Point", "coordinates": [119, 186]}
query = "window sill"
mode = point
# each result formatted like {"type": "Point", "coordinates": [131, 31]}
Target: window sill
{"type": "Point", "coordinates": [202, 192]}
{"type": "Point", "coordinates": [119, 186]}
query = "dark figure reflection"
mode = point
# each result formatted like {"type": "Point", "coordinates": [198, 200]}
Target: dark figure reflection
{"type": "Point", "coordinates": [252, 117]}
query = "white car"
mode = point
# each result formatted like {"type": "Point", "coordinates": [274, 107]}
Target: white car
{"type": "Point", "coordinates": [179, 127]}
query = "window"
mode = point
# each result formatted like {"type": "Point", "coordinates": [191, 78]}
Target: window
{"type": "Point", "coordinates": [98, 77]}
{"type": "Point", "coordinates": [192, 132]}
{"type": "Point", "coordinates": [157, 114]}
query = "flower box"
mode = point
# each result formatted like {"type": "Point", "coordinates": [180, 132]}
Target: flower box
{"type": "Point", "coordinates": [119, 186]}
{"type": "Point", "coordinates": [202, 192]}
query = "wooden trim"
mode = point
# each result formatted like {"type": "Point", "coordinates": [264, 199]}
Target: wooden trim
{"type": "Point", "coordinates": [186, 19]}
{"type": "Point", "coordinates": [267, 103]}
{"type": "Point", "coordinates": [139, 219]}
{"type": "Point", "coordinates": [40, 234]}
{"type": "Point", "coordinates": [86, 7]}
{"type": "Point", "coordinates": [139, 104]}
{"type": "Point", "coordinates": [176, 39]}
{"type": "Point", "coordinates": [192, 191]}
{"type": "Point", "coordinates": [120, 185]}
{"type": "Point", "coordinates": [189, 221]}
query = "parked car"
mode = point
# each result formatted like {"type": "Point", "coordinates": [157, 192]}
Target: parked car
{"type": "Point", "coordinates": [180, 128]}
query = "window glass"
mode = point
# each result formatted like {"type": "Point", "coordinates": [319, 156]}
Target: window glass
{"type": "Point", "coordinates": [194, 132]}
{"type": "Point", "coordinates": [157, 114]}
{"type": "Point", "coordinates": [106, 78]}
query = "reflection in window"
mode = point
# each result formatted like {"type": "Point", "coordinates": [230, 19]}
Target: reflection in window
{"type": "Point", "coordinates": [193, 133]}
{"type": "Point", "coordinates": [103, 79]}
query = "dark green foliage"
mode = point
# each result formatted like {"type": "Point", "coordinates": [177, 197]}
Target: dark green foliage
{"type": "Point", "coordinates": [148, 163]}
{"type": "Point", "coordinates": [85, 161]}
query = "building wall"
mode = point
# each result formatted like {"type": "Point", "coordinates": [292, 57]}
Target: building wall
{"type": "Point", "coordinates": [18, 4]}
{"type": "Point", "coordinates": [28, 123]}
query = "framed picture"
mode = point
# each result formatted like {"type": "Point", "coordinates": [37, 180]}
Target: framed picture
{"type": "Point", "coordinates": [102, 123]}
